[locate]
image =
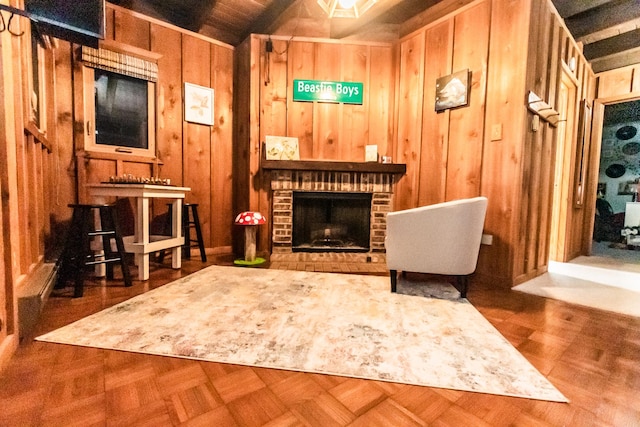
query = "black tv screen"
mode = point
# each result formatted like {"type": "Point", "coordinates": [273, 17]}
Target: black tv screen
{"type": "Point", "coordinates": [79, 21]}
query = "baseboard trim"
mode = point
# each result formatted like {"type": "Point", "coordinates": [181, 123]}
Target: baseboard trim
{"type": "Point", "coordinates": [33, 296]}
{"type": "Point", "coordinates": [7, 348]}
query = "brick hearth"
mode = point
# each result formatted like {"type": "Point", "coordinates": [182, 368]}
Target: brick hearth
{"type": "Point", "coordinates": [285, 182]}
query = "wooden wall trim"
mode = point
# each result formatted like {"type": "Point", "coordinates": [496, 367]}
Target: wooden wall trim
{"type": "Point", "coordinates": [31, 129]}
{"type": "Point", "coordinates": [8, 347]}
{"type": "Point", "coordinates": [619, 82]}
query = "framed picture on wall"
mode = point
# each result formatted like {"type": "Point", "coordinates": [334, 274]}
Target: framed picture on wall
{"type": "Point", "coordinates": [602, 189]}
{"type": "Point", "coordinates": [198, 104]}
{"type": "Point", "coordinates": [452, 91]}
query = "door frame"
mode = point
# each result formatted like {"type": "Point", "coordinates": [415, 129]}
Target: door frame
{"type": "Point", "coordinates": [564, 172]}
{"type": "Point", "coordinates": [594, 156]}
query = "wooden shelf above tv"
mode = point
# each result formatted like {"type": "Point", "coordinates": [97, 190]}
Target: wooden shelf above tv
{"type": "Point", "coordinates": [334, 166]}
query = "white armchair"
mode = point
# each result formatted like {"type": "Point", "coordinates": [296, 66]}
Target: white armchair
{"type": "Point", "coordinates": [441, 239]}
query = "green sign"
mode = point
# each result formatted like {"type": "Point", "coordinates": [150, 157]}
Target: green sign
{"type": "Point", "coordinates": [323, 91]}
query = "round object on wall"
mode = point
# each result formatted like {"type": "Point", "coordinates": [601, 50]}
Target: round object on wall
{"type": "Point", "coordinates": [626, 132]}
{"type": "Point", "coordinates": [631, 148]}
{"type": "Point", "coordinates": [615, 170]}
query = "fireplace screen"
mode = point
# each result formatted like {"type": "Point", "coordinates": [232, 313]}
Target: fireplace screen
{"type": "Point", "coordinates": [331, 222]}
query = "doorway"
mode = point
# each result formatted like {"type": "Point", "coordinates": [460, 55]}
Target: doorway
{"type": "Point", "coordinates": [618, 172]}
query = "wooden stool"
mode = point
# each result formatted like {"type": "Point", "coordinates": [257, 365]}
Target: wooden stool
{"type": "Point", "coordinates": [190, 220]}
{"type": "Point", "coordinates": [77, 253]}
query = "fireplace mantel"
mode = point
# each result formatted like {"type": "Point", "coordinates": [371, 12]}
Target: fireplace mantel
{"type": "Point", "coordinates": [334, 166]}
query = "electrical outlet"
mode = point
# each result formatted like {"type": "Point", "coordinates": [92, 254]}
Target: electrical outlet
{"type": "Point", "coordinates": [487, 239]}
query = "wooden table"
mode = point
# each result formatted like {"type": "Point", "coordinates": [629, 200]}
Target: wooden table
{"type": "Point", "coordinates": [142, 243]}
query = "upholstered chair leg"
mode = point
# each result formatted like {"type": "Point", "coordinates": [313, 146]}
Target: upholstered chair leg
{"type": "Point", "coordinates": [463, 285]}
{"type": "Point", "coordinates": [394, 279]}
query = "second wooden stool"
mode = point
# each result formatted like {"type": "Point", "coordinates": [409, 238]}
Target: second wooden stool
{"type": "Point", "coordinates": [77, 253]}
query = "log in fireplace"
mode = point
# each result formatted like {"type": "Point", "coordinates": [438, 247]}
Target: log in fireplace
{"type": "Point", "coordinates": [331, 222]}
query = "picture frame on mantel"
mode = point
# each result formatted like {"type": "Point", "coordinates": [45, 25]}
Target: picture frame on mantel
{"type": "Point", "coordinates": [452, 91]}
{"type": "Point", "coordinates": [281, 148]}
{"type": "Point", "coordinates": [198, 104]}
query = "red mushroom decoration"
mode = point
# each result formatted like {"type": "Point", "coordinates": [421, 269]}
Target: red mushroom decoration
{"type": "Point", "coordinates": [250, 221]}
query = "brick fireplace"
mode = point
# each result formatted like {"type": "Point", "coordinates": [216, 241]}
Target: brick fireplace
{"type": "Point", "coordinates": [289, 179]}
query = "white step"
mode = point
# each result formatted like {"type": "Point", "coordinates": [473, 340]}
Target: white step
{"type": "Point", "coordinates": [603, 275]}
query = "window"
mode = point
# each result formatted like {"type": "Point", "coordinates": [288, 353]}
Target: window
{"type": "Point", "coordinates": [119, 103]}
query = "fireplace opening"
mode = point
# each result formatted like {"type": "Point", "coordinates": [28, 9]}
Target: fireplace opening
{"type": "Point", "coordinates": [331, 222]}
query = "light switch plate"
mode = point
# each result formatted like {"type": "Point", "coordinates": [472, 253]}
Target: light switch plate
{"type": "Point", "coordinates": [496, 132]}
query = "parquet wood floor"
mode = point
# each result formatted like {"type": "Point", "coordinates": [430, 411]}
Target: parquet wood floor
{"type": "Point", "coordinates": [591, 356]}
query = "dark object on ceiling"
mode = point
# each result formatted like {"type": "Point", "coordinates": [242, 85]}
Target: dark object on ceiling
{"type": "Point", "coordinates": [626, 132]}
{"type": "Point", "coordinates": [631, 148]}
{"type": "Point", "coordinates": [615, 170]}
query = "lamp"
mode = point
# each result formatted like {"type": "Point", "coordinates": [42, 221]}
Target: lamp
{"type": "Point", "coordinates": [345, 8]}
{"type": "Point", "coordinates": [250, 220]}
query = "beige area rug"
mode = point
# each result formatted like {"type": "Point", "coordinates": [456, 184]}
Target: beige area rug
{"type": "Point", "coordinates": [328, 323]}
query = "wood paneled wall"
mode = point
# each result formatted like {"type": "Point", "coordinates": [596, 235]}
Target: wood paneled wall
{"type": "Point", "coordinates": [451, 154]}
{"type": "Point", "coordinates": [619, 83]}
{"type": "Point", "coordinates": [27, 174]}
{"type": "Point", "coordinates": [192, 155]}
{"type": "Point", "coordinates": [509, 47]}
{"type": "Point", "coordinates": [442, 150]}
{"type": "Point", "coordinates": [325, 131]}
{"type": "Point", "coordinates": [552, 54]}
{"type": "Point", "coordinates": [42, 172]}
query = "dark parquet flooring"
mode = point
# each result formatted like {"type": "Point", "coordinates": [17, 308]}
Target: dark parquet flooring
{"type": "Point", "coordinates": [591, 356]}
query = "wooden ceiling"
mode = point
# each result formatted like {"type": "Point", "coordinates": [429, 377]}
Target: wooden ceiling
{"type": "Point", "coordinates": [608, 29]}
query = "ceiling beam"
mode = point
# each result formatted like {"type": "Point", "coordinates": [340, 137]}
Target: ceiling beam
{"type": "Point", "coordinates": [611, 14]}
{"type": "Point", "coordinates": [610, 32]}
{"type": "Point", "coordinates": [568, 8]}
{"type": "Point", "coordinates": [617, 60]}
{"type": "Point", "coordinates": [612, 45]}
{"type": "Point", "coordinates": [189, 14]}
{"type": "Point", "coordinates": [271, 14]}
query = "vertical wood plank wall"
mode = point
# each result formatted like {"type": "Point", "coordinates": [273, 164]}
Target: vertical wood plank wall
{"type": "Point", "coordinates": [552, 50]}
{"type": "Point", "coordinates": [619, 83]}
{"type": "Point", "coordinates": [509, 47]}
{"type": "Point", "coordinates": [325, 131]}
{"type": "Point", "coordinates": [451, 155]}
{"type": "Point", "coordinates": [27, 175]}
{"type": "Point", "coordinates": [43, 172]}
{"type": "Point", "coordinates": [192, 155]}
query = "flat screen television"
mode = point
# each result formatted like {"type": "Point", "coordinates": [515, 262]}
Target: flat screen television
{"type": "Point", "coordinates": [76, 21]}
